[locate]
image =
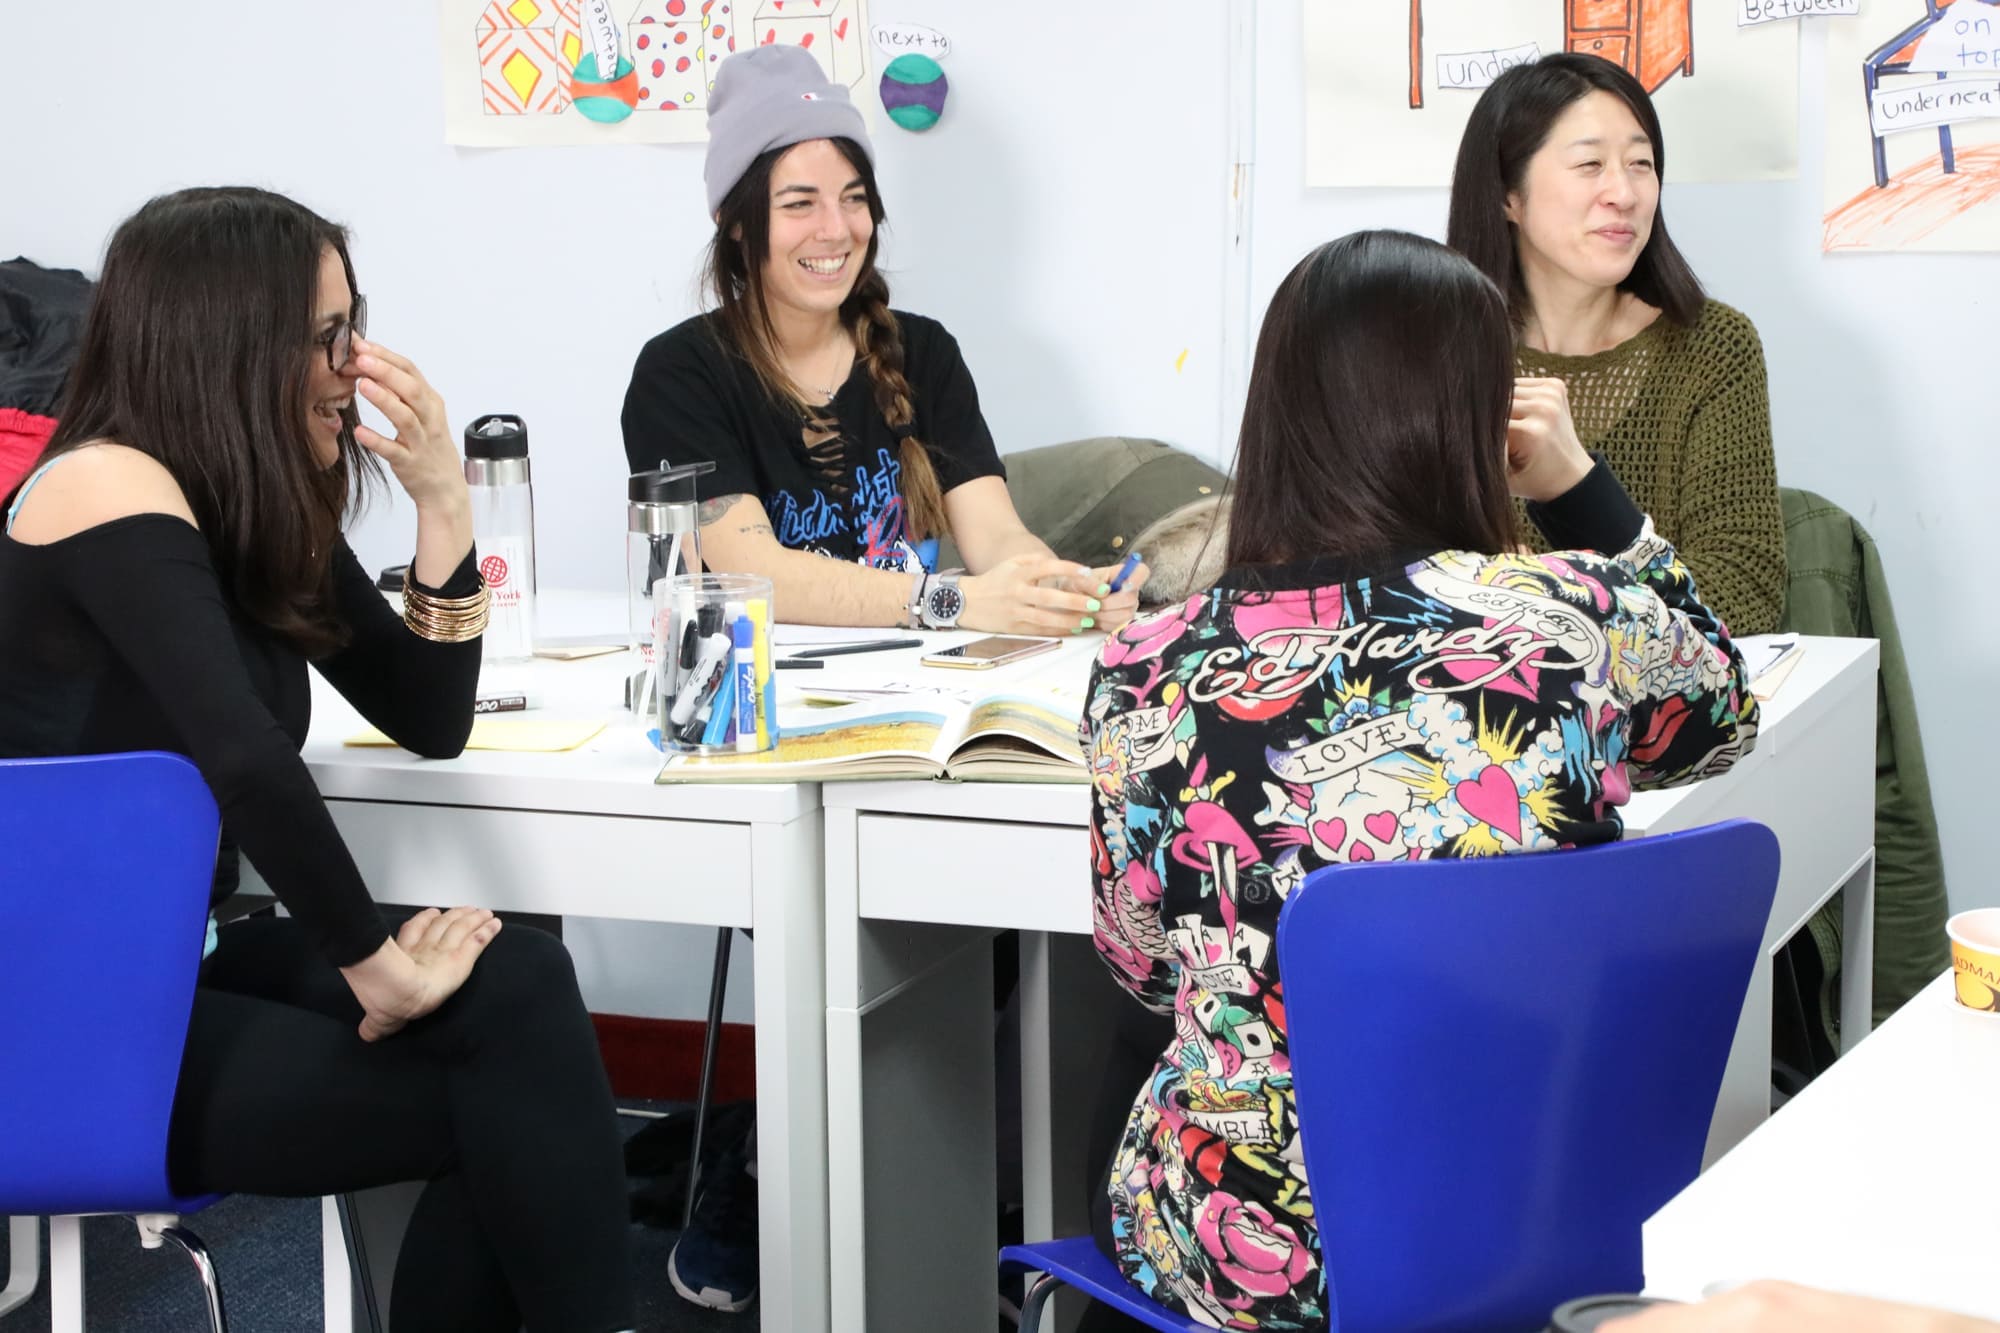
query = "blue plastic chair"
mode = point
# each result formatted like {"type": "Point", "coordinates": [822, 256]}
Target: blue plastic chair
{"type": "Point", "coordinates": [1503, 1067]}
{"type": "Point", "coordinates": [105, 867]}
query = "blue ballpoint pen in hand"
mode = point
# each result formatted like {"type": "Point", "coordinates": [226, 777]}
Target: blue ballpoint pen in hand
{"type": "Point", "coordinates": [1125, 572]}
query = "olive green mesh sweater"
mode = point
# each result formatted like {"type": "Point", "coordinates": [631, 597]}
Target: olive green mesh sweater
{"type": "Point", "coordinates": [1684, 418]}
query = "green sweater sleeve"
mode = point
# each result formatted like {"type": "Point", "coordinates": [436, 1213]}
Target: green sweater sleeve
{"type": "Point", "coordinates": [1731, 529]}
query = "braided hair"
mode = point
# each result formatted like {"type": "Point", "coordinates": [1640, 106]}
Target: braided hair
{"type": "Point", "coordinates": [734, 275]}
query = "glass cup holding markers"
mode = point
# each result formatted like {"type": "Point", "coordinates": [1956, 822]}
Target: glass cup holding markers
{"type": "Point", "coordinates": [716, 692]}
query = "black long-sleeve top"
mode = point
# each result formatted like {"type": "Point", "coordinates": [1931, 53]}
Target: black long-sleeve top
{"type": "Point", "coordinates": [122, 637]}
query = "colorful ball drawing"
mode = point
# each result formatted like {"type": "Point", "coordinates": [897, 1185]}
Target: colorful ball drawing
{"type": "Point", "coordinates": [605, 103]}
{"type": "Point", "coordinates": [913, 89]}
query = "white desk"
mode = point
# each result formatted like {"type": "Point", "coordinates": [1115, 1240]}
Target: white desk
{"type": "Point", "coordinates": [1878, 1179]}
{"type": "Point", "coordinates": [587, 833]}
{"type": "Point", "coordinates": [910, 866]}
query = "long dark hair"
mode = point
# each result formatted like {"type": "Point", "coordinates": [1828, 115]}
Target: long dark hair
{"type": "Point", "coordinates": [1509, 124]}
{"type": "Point", "coordinates": [734, 274]}
{"type": "Point", "coordinates": [1376, 418]}
{"type": "Point", "coordinates": [196, 351]}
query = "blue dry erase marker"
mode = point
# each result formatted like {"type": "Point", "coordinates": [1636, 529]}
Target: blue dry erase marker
{"type": "Point", "coordinates": [745, 635]}
{"type": "Point", "coordinates": [721, 713]}
{"type": "Point", "coordinates": [1124, 572]}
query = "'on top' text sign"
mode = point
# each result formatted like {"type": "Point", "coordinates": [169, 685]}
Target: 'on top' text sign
{"type": "Point", "coordinates": [1960, 43]}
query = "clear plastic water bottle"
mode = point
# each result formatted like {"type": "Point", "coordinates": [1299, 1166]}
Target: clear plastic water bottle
{"type": "Point", "coordinates": [503, 525]}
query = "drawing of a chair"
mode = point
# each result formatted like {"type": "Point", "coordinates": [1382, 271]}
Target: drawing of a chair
{"type": "Point", "coordinates": [1894, 57]}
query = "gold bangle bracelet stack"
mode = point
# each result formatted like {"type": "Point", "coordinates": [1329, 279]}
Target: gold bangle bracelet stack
{"type": "Point", "coordinates": [445, 619]}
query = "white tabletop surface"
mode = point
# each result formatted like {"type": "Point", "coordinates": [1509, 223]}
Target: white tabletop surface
{"type": "Point", "coordinates": [1882, 1178]}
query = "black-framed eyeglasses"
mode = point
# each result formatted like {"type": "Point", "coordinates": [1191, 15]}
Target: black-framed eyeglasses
{"type": "Point", "coordinates": [338, 341]}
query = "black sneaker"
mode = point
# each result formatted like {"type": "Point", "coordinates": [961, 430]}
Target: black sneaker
{"type": "Point", "coordinates": [714, 1263]}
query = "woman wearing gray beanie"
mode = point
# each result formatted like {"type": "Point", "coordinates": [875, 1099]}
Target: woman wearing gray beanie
{"type": "Point", "coordinates": [838, 427]}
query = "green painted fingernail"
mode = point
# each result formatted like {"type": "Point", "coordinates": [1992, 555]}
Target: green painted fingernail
{"type": "Point", "coordinates": [1087, 623]}
{"type": "Point", "coordinates": [1103, 590]}
{"type": "Point", "coordinates": [1093, 605]}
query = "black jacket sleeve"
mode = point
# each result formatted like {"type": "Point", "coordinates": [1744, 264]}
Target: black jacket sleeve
{"type": "Point", "coordinates": [418, 692]}
{"type": "Point", "coordinates": [148, 587]}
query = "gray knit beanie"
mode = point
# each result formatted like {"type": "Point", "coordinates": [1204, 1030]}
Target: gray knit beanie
{"type": "Point", "coordinates": [772, 97]}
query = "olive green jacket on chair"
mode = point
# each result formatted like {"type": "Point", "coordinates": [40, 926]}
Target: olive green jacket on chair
{"type": "Point", "coordinates": [1836, 586]}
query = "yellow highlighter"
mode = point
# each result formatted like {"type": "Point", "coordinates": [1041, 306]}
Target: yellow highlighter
{"type": "Point", "coordinates": [760, 617]}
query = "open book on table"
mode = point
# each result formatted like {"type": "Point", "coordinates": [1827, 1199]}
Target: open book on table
{"type": "Point", "coordinates": [1026, 732]}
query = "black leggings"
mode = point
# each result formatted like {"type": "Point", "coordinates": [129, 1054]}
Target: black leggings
{"type": "Point", "coordinates": [498, 1099]}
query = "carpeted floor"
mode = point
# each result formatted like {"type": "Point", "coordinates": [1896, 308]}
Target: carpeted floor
{"type": "Point", "coordinates": [267, 1252]}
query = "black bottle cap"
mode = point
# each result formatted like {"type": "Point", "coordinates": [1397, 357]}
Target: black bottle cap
{"type": "Point", "coordinates": [1588, 1312]}
{"type": "Point", "coordinates": [666, 485]}
{"type": "Point", "coordinates": [497, 435]}
{"type": "Point", "coordinates": [391, 578]}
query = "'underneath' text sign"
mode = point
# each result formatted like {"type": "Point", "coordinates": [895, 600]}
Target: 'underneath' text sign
{"type": "Point", "coordinates": [1916, 106]}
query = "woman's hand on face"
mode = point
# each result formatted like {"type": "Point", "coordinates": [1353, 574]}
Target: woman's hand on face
{"type": "Point", "coordinates": [1120, 606]}
{"type": "Point", "coordinates": [1544, 458]}
{"type": "Point", "coordinates": [420, 969]}
{"type": "Point", "coordinates": [422, 453]}
{"type": "Point", "coordinates": [1031, 594]}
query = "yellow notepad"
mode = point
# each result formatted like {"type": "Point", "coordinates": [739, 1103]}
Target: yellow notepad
{"type": "Point", "coordinates": [513, 733]}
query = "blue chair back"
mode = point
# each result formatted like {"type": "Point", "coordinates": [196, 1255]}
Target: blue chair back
{"type": "Point", "coordinates": [105, 867]}
{"type": "Point", "coordinates": [1503, 1066]}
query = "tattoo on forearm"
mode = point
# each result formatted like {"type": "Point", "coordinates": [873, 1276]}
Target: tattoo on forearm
{"type": "Point", "coordinates": [756, 528]}
{"type": "Point", "coordinates": [710, 510]}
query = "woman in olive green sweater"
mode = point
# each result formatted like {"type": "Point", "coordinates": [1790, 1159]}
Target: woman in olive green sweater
{"type": "Point", "coordinates": [1556, 196]}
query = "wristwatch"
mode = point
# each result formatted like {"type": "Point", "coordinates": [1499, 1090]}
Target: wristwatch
{"type": "Point", "coordinates": [939, 601]}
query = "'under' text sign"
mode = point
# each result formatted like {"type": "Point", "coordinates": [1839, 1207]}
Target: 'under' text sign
{"type": "Point", "coordinates": [1476, 69]}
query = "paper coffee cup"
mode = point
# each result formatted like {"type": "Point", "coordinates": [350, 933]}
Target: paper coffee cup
{"type": "Point", "coordinates": [1975, 958]}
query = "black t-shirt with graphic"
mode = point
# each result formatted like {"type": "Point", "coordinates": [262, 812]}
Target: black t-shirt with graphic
{"type": "Point", "coordinates": [692, 400]}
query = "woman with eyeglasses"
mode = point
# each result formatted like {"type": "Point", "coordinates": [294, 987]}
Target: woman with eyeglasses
{"type": "Point", "coordinates": [166, 575]}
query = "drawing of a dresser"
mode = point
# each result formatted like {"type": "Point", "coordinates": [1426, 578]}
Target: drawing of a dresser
{"type": "Point", "coordinates": [1652, 39]}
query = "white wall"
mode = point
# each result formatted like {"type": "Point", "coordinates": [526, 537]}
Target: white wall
{"type": "Point", "coordinates": [1066, 220]}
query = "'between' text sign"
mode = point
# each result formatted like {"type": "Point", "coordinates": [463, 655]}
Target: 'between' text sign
{"type": "Point", "coordinates": [1749, 12]}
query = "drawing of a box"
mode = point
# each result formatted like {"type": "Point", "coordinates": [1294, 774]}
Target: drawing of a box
{"type": "Point", "coordinates": [676, 45]}
{"type": "Point", "coordinates": [527, 49]}
{"type": "Point", "coordinates": [830, 29]}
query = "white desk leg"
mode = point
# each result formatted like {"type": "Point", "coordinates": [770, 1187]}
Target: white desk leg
{"type": "Point", "coordinates": [1857, 949]}
{"type": "Point", "coordinates": [919, 1121]}
{"type": "Point", "coordinates": [24, 1262]}
{"type": "Point", "coordinates": [65, 1275]}
{"type": "Point", "coordinates": [335, 1276]}
{"type": "Point", "coordinates": [789, 914]}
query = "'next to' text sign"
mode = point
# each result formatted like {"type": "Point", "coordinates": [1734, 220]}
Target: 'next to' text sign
{"type": "Point", "coordinates": [1749, 12]}
{"type": "Point", "coordinates": [1916, 106]}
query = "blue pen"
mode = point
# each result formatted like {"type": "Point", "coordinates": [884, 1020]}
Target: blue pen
{"type": "Point", "coordinates": [722, 712]}
{"type": "Point", "coordinates": [1124, 572]}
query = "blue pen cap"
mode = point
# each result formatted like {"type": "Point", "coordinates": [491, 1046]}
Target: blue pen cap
{"type": "Point", "coordinates": [744, 633]}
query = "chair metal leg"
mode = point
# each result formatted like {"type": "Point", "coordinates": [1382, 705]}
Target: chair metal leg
{"type": "Point", "coordinates": [718, 983]}
{"type": "Point", "coordinates": [211, 1286]}
{"type": "Point", "coordinates": [24, 1262]}
{"type": "Point", "coordinates": [65, 1275]}
{"type": "Point", "coordinates": [357, 1262]}
{"type": "Point", "coordinates": [1037, 1296]}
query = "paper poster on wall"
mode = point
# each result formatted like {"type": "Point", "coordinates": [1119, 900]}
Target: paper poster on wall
{"type": "Point", "coordinates": [1913, 127]}
{"type": "Point", "coordinates": [1389, 83]}
{"type": "Point", "coordinates": [533, 72]}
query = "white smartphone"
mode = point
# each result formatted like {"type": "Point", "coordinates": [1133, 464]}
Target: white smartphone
{"type": "Point", "coordinates": [992, 651]}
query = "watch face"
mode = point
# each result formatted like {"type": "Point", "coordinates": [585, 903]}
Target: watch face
{"type": "Point", "coordinates": [946, 601]}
